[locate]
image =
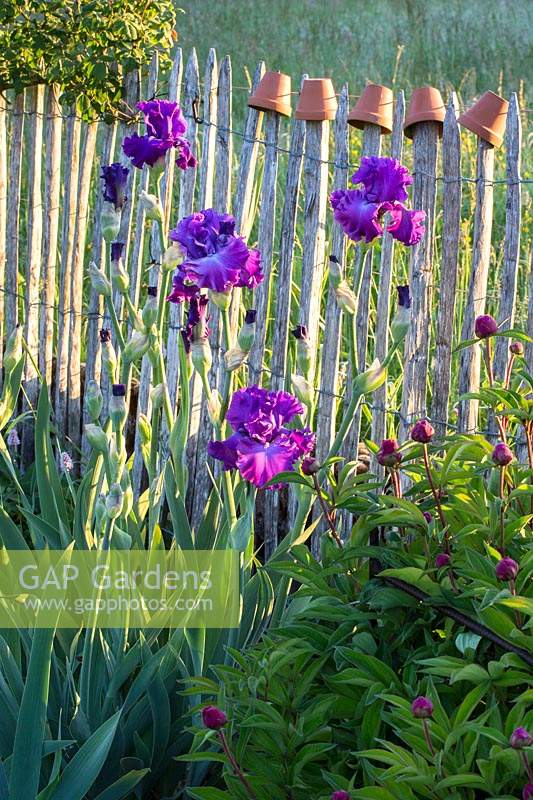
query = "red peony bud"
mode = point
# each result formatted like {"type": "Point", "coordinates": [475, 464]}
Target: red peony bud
{"type": "Point", "coordinates": [310, 466]}
{"type": "Point", "coordinates": [340, 795]}
{"type": "Point", "coordinates": [527, 791]}
{"type": "Point", "coordinates": [520, 738]}
{"type": "Point", "coordinates": [428, 517]}
{"type": "Point", "coordinates": [506, 569]}
{"type": "Point", "coordinates": [442, 560]}
{"type": "Point", "coordinates": [422, 431]}
{"type": "Point", "coordinates": [485, 326]}
{"type": "Point", "coordinates": [388, 454]}
{"type": "Point", "coordinates": [517, 348]}
{"type": "Point", "coordinates": [502, 454]}
{"type": "Point", "coordinates": [213, 718]}
{"type": "Point", "coordinates": [422, 707]}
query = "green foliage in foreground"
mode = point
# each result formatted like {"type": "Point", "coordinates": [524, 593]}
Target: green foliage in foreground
{"type": "Point", "coordinates": [323, 703]}
{"type": "Point", "coordinates": [85, 47]}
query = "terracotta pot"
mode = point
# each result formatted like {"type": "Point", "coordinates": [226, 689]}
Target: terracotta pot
{"type": "Point", "coordinates": [273, 94]}
{"type": "Point", "coordinates": [426, 105]}
{"type": "Point", "coordinates": [317, 100]}
{"type": "Point", "coordinates": [374, 106]}
{"type": "Point", "coordinates": [487, 118]}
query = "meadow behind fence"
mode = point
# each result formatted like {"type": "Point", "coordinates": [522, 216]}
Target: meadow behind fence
{"type": "Point", "coordinates": [275, 176]}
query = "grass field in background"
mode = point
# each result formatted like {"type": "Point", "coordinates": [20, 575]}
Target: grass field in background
{"type": "Point", "coordinates": [471, 45]}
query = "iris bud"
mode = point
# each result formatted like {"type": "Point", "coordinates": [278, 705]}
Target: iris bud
{"type": "Point", "coordinates": [13, 351]}
{"type": "Point", "coordinates": [220, 299]}
{"type": "Point", "coordinates": [110, 221]}
{"type": "Point", "coordinates": [346, 299]}
{"type": "Point", "coordinates": [96, 438]}
{"type": "Point", "coordinates": [303, 349]}
{"type": "Point", "coordinates": [117, 405]}
{"type": "Point", "coordinates": [172, 257]}
{"type": "Point", "coordinates": [114, 501]}
{"type": "Point", "coordinates": [246, 336]}
{"type": "Point", "coordinates": [151, 205]}
{"type": "Point", "coordinates": [157, 395]}
{"type": "Point", "coordinates": [144, 428]}
{"type": "Point", "coordinates": [136, 347]}
{"type": "Point", "coordinates": [372, 379]}
{"type": "Point", "coordinates": [99, 281]}
{"type": "Point", "coordinates": [214, 406]}
{"type": "Point", "coordinates": [93, 400]}
{"type": "Point", "coordinates": [109, 358]}
{"type": "Point", "coordinates": [233, 358]}
{"type": "Point", "coordinates": [149, 312]}
{"type": "Point", "coordinates": [303, 389]}
{"type": "Point", "coordinates": [201, 355]}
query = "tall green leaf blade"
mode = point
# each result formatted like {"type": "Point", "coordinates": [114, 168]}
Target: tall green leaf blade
{"type": "Point", "coordinates": [53, 506]}
{"type": "Point", "coordinates": [124, 785]}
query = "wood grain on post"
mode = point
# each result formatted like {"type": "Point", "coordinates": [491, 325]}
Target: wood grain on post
{"type": "Point", "coordinates": [206, 167]}
{"type": "Point", "coordinates": [51, 202]}
{"type": "Point", "coordinates": [287, 237]}
{"type": "Point", "coordinates": [329, 372]}
{"type": "Point", "coordinates": [242, 203]}
{"type": "Point", "coordinates": [511, 248]}
{"type": "Point", "coordinates": [13, 213]}
{"type": "Point", "coordinates": [222, 201]}
{"type": "Point", "coordinates": [76, 286]}
{"type": "Point", "coordinates": [385, 290]}
{"type": "Point", "coordinates": [363, 262]}
{"type": "Point", "coordinates": [451, 232]}
{"type": "Point", "coordinates": [32, 298]}
{"type": "Point", "coordinates": [3, 221]}
{"type": "Point", "coordinates": [470, 363]}
{"type": "Point", "coordinates": [96, 306]}
{"type": "Point", "coordinates": [314, 242]}
{"type": "Point", "coordinates": [425, 145]}
{"type": "Point", "coordinates": [267, 224]}
{"type": "Point", "coordinates": [70, 197]}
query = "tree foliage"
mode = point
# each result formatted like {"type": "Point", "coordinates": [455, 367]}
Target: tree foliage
{"type": "Point", "coordinates": [85, 47]}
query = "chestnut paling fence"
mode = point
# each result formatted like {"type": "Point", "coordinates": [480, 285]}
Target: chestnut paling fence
{"type": "Point", "coordinates": [278, 191]}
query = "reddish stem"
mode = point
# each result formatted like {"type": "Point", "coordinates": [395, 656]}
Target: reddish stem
{"type": "Point", "coordinates": [436, 497]}
{"type": "Point", "coordinates": [502, 514]}
{"type": "Point", "coordinates": [527, 765]}
{"type": "Point", "coordinates": [490, 373]}
{"type": "Point", "coordinates": [327, 513]}
{"type": "Point", "coordinates": [236, 769]}
{"type": "Point", "coordinates": [427, 737]}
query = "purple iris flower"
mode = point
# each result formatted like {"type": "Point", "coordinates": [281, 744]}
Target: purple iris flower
{"type": "Point", "coordinates": [115, 177]}
{"type": "Point", "coordinates": [407, 225]}
{"type": "Point", "coordinates": [383, 179]}
{"type": "Point", "coordinates": [359, 211]}
{"type": "Point", "coordinates": [261, 446]}
{"type": "Point", "coordinates": [214, 257]}
{"type": "Point", "coordinates": [358, 216]}
{"type": "Point", "coordinates": [165, 126]}
{"type": "Point", "coordinates": [116, 250]}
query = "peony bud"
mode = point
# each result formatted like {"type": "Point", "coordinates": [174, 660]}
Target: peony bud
{"type": "Point", "coordinates": [442, 560]}
{"type": "Point", "coordinates": [117, 405]}
{"type": "Point", "coordinates": [246, 336]}
{"type": "Point", "coordinates": [110, 221]}
{"type": "Point", "coordinates": [485, 326]}
{"type": "Point", "coordinates": [149, 312]}
{"type": "Point", "coordinates": [517, 348]}
{"type": "Point", "coordinates": [422, 707]}
{"type": "Point", "coordinates": [422, 431]}
{"type": "Point", "coordinates": [340, 794]}
{"type": "Point", "coordinates": [151, 206]}
{"type": "Point", "coordinates": [172, 257]}
{"type": "Point", "coordinates": [114, 501]}
{"type": "Point", "coordinates": [389, 454]}
{"type": "Point", "coordinates": [428, 517]}
{"type": "Point", "coordinates": [502, 454]}
{"type": "Point", "coordinates": [303, 349]}
{"type": "Point", "coordinates": [527, 792]}
{"type": "Point", "coordinates": [93, 400]}
{"type": "Point", "coordinates": [13, 351]}
{"type": "Point", "coordinates": [520, 738]}
{"type": "Point", "coordinates": [109, 358]}
{"type": "Point", "coordinates": [506, 569]}
{"type": "Point", "coordinates": [119, 277]}
{"type": "Point", "coordinates": [367, 382]}
{"type": "Point", "coordinates": [303, 390]}
{"type": "Point", "coordinates": [310, 466]}
{"type": "Point", "coordinates": [213, 718]}
{"type": "Point", "coordinates": [96, 438]}
{"type": "Point", "coordinates": [99, 281]}
{"type": "Point", "coordinates": [136, 347]}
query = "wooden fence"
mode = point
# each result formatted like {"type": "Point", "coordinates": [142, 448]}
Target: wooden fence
{"type": "Point", "coordinates": [275, 177]}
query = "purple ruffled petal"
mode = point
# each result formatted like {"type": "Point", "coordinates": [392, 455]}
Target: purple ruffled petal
{"type": "Point", "coordinates": [181, 288]}
{"type": "Point", "coordinates": [163, 119]}
{"type": "Point", "coordinates": [115, 177]}
{"type": "Point", "coordinates": [245, 405]}
{"type": "Point", "coordinates": [145, 149]}
{"type": "Point", "coordinates": [219, 271]}
{"type": "Point", "coordinates": [407, 225]}
{"type": "Point", "coordinates": [226, 451]}
{"type": "Point", "coordinates": [260, 462]}
{"type": "Point", "coordinates": [358, 217]}
{"type": "Point", "coordinates": [383, 178]}
{"type": "Point", "coordinates": [250, 275]}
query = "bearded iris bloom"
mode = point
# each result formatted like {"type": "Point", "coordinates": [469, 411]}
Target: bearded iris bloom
{"type": "Point", "coordinates": [165, 130]}
{"type": "Point", "coordinates": [361, 212]}
{"type": "Point", "coordinates": [261, 446]}
{"type": "Point", "coordinates": [214, 257]}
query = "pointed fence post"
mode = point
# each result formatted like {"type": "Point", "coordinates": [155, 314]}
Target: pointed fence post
{"type": "Point", "coordinates": [416, 354]}
{"type": "Point", "coordinates": [470, 363]}
{"type": "Point", "coordinates": [451, 231]}
{"type": "Point", "coordinates": [13, 213]}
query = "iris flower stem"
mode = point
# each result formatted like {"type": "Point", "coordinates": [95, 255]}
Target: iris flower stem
{"type": "Point", "coordinates": [110, 524]}
{"type": "Point", "coordinates": [132, 311]}
{"type": "Point", "coordinates": [226, 475]}
{"type": "Point", "coordinates": [114, 321]}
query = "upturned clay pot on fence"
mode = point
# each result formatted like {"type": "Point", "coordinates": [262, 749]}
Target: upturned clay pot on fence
{"type": "Point", "coordinates": [426, 105]}
{"type": "Point", "coordinates": [373, 107]}
{"type": "Point", "coordinates": [317, 100]}
{"type": "Point", "coordinates": [487, 118]}
{"type": "Point", "coordinates": [273, 94]}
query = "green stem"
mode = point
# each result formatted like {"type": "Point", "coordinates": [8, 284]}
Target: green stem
{"type": "Point", "coordinates": [114, 321]}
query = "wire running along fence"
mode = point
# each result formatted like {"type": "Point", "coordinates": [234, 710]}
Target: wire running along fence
{"type": "Point", "coordinates": [49, 230]}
